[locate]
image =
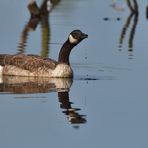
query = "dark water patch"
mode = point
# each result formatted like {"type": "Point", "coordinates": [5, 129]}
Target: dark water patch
{"type": "Point", "coordinates": [89, 79]}
{"type": "Point", "coordinates": [94, 78]}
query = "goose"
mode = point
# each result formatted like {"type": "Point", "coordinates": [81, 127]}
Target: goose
{"type": "Point", "coordinates": [38, 66]}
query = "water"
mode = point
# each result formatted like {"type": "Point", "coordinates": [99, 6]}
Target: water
{"type": "Point", "coordinates": [105, 105]}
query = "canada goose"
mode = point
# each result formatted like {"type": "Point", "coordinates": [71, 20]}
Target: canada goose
{"type": "Point", "coordinates": [34, 65]}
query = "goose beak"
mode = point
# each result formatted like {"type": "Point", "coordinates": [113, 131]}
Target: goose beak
{"type": "Point", "coordinates": [84, 36]}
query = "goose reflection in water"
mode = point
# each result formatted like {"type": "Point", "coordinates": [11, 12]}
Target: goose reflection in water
{"type": "Point", "coordinates": [38, 15]}
{"type": "Point", "coordinates": [27, 85]}
{"type": "Point", "coordinates": [134, 13]}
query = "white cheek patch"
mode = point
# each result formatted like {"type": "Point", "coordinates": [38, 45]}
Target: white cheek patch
{"type": "Point", "coordinates": [72, 39]}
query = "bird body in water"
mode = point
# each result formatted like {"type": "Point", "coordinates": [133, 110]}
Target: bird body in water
{"type": "Point", "coordinates": [38, 66]}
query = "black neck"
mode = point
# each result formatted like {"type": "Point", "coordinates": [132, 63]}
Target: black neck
{"type": "Point", "coordinates": [65, 52]}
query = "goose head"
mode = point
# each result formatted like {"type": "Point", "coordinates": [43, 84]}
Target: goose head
{"type": "Point", "coordinates": [76, 36]}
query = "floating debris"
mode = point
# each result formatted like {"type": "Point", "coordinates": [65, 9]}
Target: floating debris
{"type": "Point", "coordinates": [112, 19]}
{"type": "Point", "coordinates": [118, 18]}
{"type": "Point", "coordinates": [106, 19]}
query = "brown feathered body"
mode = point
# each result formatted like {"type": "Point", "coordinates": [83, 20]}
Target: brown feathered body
{"type": "Point", "coordinates": [26, 65]}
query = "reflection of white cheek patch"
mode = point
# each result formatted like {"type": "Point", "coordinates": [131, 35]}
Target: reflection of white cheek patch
{"type": "Point", "coordinates": [72, 39]}
{"type": "Point", "coordinates": [1, 70]}
{"type": "Point", "coordinates": [49, 5]}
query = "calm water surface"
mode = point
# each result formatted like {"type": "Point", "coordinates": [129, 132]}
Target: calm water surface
{"type": "Point", "coordinates": [105, 105]}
